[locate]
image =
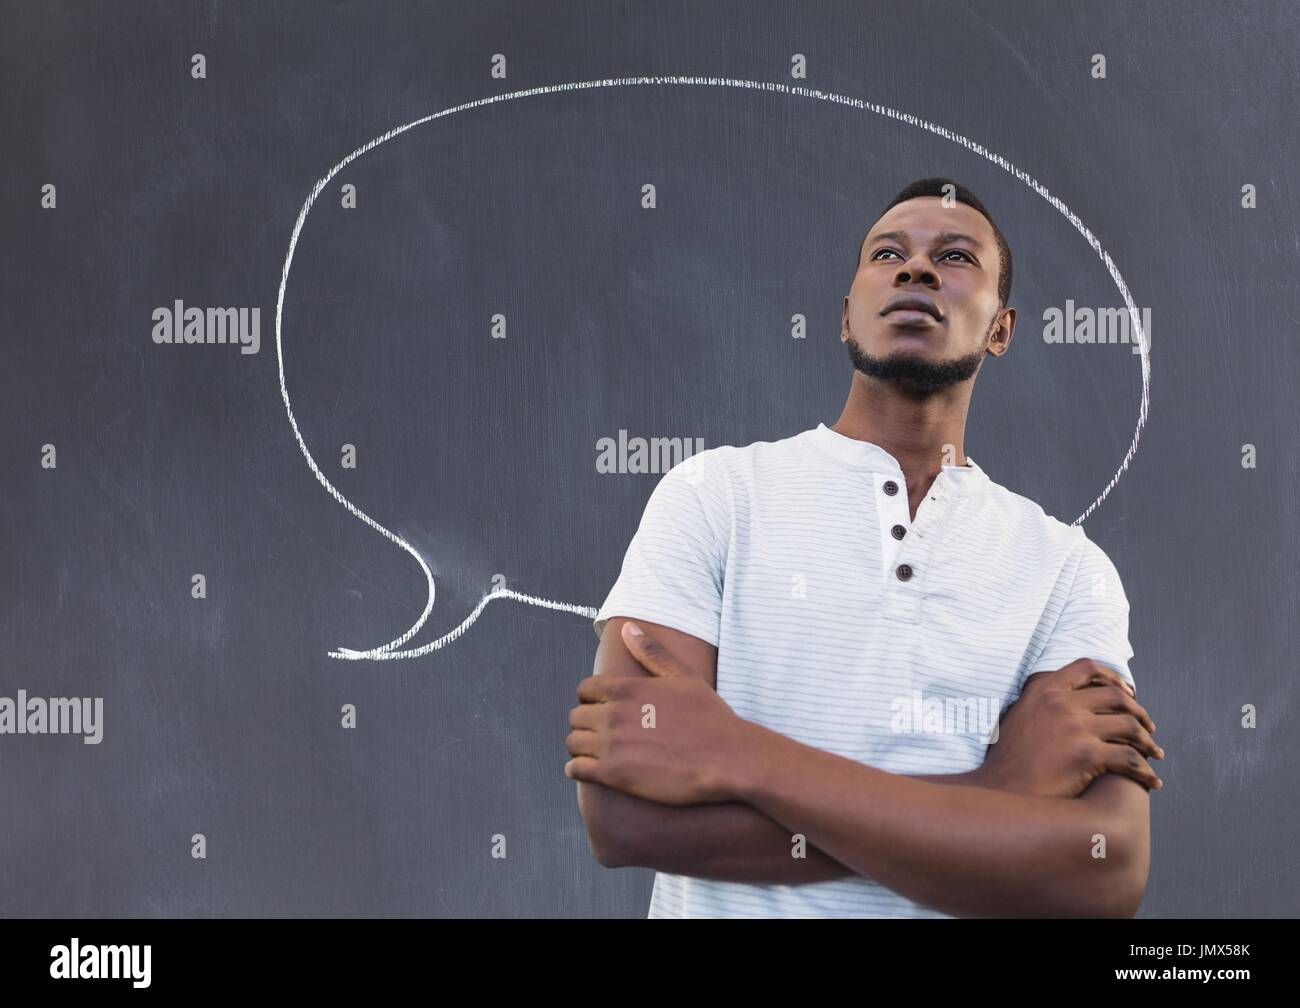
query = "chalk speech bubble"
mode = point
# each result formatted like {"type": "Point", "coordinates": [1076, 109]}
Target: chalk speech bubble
{"type": "Point", "coordinates": [390, 650]}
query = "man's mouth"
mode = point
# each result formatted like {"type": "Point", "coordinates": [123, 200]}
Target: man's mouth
{"type": "Point", "coordinates": [917, 306]}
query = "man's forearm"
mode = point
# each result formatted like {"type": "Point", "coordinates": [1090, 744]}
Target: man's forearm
{"type": "Point", "coordinates": [961, 849]}
{"type": "Point", "coordinates": [724, 841]}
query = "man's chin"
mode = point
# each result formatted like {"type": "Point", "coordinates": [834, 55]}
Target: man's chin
{"type": "Point", "coordinates": [916, 355]}
{"type": "Point", "coordinates": [917, 371]}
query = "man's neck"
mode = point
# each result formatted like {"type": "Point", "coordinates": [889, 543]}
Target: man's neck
{"type": "Point", "coordinates": [915, 430]}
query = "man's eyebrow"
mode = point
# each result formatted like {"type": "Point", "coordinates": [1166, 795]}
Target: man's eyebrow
{"type": "Point", "coordinates": [897, 236]}
{"type": "Point", "coordinates": [952, 236]}
{"type": "Point", "coordinates": [943, 238]}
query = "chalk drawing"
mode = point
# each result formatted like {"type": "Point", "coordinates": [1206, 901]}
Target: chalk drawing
{"type": "Point", "coordinates": [390, 650]}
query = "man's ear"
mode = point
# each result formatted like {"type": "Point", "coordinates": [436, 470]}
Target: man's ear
{"type": "Point", "coordinates": [844, 321]}
{"type": "Point", "coordinates": [1004, 326]}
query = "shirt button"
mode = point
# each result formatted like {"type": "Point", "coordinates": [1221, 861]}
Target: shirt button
{"type": "Point", "coordinates": [890, 487]}
{"type": "Point", "coordinates": [898, 531]}
{"type": "Point", "coordinates": [904, 572]}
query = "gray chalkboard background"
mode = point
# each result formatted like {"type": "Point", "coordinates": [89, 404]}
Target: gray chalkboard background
{"type": "Point", "coordinates": [222, 714]}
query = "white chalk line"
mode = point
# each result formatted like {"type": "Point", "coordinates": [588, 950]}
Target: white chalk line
{"type": "Point", "coordinates": [386, 651]}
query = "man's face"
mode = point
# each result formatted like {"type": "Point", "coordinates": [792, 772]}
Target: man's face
{"type": "Point", "coordinates": [944, 260]}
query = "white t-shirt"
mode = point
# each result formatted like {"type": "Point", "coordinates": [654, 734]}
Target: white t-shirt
{"type": "Point", "coordinates": [843, 624]}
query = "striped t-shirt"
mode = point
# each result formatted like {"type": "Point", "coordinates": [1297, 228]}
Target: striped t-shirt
{"type": "Point", "coordinates": [845, 625]}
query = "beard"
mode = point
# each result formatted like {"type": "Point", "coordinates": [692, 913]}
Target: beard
{"type": "Point", "coordinates": [911, 372]}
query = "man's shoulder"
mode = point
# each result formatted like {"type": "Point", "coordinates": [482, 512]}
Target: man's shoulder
{"type": "Point", "coordinates": [1031, 522]}
{"type": "Point", "coordinates": [739, 464]}
{"type": "Point", "coordinates": [1034, 524]}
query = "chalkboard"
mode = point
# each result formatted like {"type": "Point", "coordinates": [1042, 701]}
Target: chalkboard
{"type": "Point", "coordinates": [475, 302]}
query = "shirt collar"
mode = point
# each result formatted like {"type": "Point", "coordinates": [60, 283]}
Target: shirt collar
{"type": "Point", "coordinates": [871, 457]}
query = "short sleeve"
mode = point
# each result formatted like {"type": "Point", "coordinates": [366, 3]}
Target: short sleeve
{"type": "Point", "coordinates": [1093, 620]}
{"type": "Point", "coordinates": [673, 571]}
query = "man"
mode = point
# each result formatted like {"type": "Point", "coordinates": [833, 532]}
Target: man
{"type": "Point", "coordinates": [814, 636]}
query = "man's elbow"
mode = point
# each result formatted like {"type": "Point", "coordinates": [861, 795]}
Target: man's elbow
{"type": "Point", "coordinates": [1112, 886]}
{"type": "Point", "coordinates": [608, 835]}
{"type": "Point", "coordinates": [1121, 893]}
{"type": "Point", "coordinates": [1111, 875]}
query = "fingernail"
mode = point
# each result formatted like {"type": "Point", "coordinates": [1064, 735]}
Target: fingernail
{"type": "Point", "coordinates": [566, 771]}
{"type": "Point", "coordinates": [634, 630]}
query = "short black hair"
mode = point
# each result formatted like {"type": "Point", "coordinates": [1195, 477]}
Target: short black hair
{"type": "Point", "coordinates": [937, 186]}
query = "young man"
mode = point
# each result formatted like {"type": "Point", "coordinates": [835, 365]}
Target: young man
{"type": "Point", "coordinates": [831, 624]}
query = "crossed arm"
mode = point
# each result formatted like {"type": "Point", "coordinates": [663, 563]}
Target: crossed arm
{"type": "Point", "coordinates": [942, 840]}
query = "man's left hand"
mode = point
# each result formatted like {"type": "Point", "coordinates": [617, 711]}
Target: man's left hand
{"type": "Point", "coordinates": [667, 737]}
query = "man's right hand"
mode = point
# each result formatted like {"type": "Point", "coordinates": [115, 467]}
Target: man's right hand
{"type": "Point", "coordinates": [1066, 729]}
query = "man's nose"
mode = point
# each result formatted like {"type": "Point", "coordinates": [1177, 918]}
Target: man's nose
{"type": "Point", "coordinates": [918, 269]}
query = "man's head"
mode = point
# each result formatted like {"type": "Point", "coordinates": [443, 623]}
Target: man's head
{"type": "Point", "coordinates": [929, 295]}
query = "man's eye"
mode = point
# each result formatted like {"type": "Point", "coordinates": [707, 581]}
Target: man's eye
{"type": "Point", "coordinates": [968, 256]}
{"type": "Point", "coordinates": [891, 251]}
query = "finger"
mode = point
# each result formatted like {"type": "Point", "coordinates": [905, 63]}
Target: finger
{"type": "Point", "coordinates": [583, 743]}
{"type": "Point", "coordinates": [1112, 700]}
{"type": "Point", "coordinates": [596, 689]}
{"type": "Point", "coordinates": [1105, 676]}
{"type": "Point", "coordinates": [583, 768]}
{"type": "Point", "coordinates": [649, 652]}
{"type": "Point", "coordinates": [1090, 673]}
{"type": "Point", "coordinates": [588, 715]}
{"type": "Point", "coordinates": [1127, 729]}
{"type": "Point", "coordinates": [1126, 760]}
{"type": "Point", "coordinates": [1076, 675]}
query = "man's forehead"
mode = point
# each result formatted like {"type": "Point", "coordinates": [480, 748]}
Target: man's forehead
{"type": "Point", "coordinates": [926, 218]}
